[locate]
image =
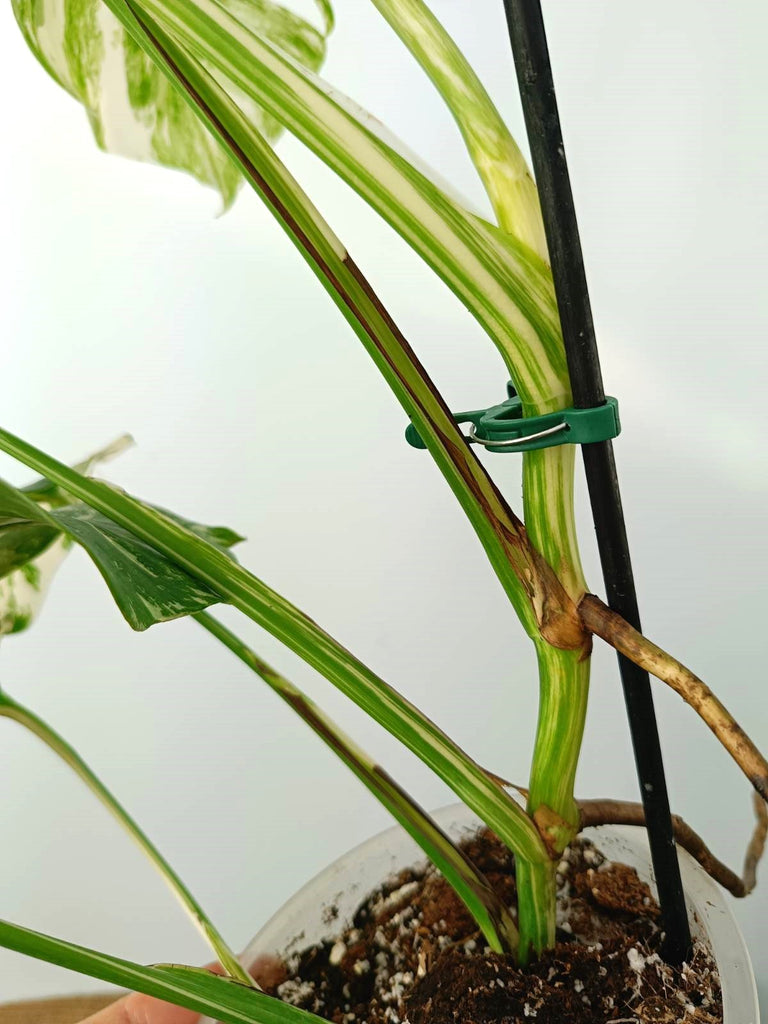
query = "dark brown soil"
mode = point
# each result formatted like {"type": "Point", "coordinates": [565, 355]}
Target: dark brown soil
{"type": "Point", "coordinates": [412, 953]}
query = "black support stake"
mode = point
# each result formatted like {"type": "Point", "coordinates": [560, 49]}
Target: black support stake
{"type": "Point", "coordinates": [537, 91]}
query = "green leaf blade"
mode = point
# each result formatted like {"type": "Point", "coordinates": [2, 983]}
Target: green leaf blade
{"type": "Point", "coordinates": [320, 650]}
{"type": "Point", "coordinates": [31, 545]}
{"type": "Point", "coordinates": [198, 990]}
{"type": "Point", "coordinates": [148, 588]}
{"type": "Point", "coordinates": [23, 591]}
{"type": "Point", "coordinates": [21, 543]}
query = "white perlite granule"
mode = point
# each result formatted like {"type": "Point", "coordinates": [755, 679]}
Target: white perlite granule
{"type": "Point", "coordinates": [338, 953]}
{"type": "Point", "coordinates": [295, 992]}
{"type": "Point", "coordinates": [401, 895]}
{"type": "Point", "coordinates": [636, 960]}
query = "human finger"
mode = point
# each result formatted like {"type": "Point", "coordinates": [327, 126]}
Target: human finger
{"type": "Point", "coordinates": [141, 1009]}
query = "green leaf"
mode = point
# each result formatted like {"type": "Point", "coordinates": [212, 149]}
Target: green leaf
{"type": "Point", "coordinates": [30, 553]}
{"type": "Point", "coordinates": [29, 556]}
{"type": "Point", "coordinates": [303, 636]}
{"type": "Point", "coordinates": [198, 990]}
{"type": "Point", "coordinates": [220, 536]}
{"type": "Point", "coordinates": [21, 542]}
{"type": "Point", "coordinates": [147, 586]}
{"type": "Point", "coordinates": [134, 111]}
{"type": "Point", "coordinates": [23, 591]}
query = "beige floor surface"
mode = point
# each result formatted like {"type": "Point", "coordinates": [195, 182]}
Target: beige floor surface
{"type": "Point", "coordinates": [54, 1011]}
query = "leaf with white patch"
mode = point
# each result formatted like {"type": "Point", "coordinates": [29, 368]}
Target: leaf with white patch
{"type": "Point", "coordinates": [31, 550]}
{"type": "Point", "coordinates": [22, 540]}
{"type": "Point", "coordinates": [134, 111]}
{"type": "Point", "coordinates": [302, 635]}
{"type": "Point", "coordinates": [23, 591]}
{"type": "Point", "coordinates": [31, 545]}
{"type": "Point", "coordinates": [147, 586]}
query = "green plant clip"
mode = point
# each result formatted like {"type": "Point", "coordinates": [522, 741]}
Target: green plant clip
{"type": "Point", "coordinates": [502, 428]}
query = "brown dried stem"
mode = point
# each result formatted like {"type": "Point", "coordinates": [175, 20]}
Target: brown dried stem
{"type": "Point", "coordinates": [612, 628]}
{"type": "Point", "coordinates": [620, 812]}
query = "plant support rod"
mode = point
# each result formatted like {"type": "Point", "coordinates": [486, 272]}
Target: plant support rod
{"type": "Point", "coordinates": [537, 91]}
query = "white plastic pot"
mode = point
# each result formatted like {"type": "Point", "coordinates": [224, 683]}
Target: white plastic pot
{"type": "Point", "coordinates": [302, 921]}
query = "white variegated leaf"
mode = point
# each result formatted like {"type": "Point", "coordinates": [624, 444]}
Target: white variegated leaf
{"type": "Point", "coordinates": [31, 545]}
{"type": "Point", "coordinates": [23, 591]}
{"type": "Point", "coordinates": [147, 586]}
{"type": "Point", "coordinates": [134, 111]}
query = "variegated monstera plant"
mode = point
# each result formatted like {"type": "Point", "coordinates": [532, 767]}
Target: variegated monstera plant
{"type": "Point", "coordinates": [205, 86]}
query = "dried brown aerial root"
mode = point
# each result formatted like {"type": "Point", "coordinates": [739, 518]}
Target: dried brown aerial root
{"type": "Point", "coordinates": [756, 847]}
{"type": "Point", "coordinates": [620, 812]}
{"type": "Point", "coordinates": [617, 632]}
{"type": "Point", "coordinates": [625, 812]}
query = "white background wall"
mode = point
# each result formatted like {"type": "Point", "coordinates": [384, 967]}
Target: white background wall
{"type": "Point", "coordinates": [127, 305]}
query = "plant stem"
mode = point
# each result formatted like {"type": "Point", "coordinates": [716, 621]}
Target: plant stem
{"type": "Point", "coordinates": [563, 690]}
{"type": "Point", "coordinates": [303, 636]}
{"type": "Point", "coordinates": [492, 916]}
{"type": "Point", "coordinates": [10, 709]}
{"type": "Point", "coordinates": [562, 711]}
{"type": "Point", "coordinates": [548, 513]}
{"type": "Point", "coordinates": [502, 167]}
{"type": "Point", "coordinates": [536, 896]}
{"type": "Point", "coordinates": [550, 479]}
{"type": "Point", "coordinates": [499, 279]}
{"type": "Point", "coordinates": [530, 583]}
{"type": "Point", "coordinates": [547, 474]}
{"type": "Point", "coordinates": [563, 675]}
{"type": "Point", "coordinates": [564, 684]}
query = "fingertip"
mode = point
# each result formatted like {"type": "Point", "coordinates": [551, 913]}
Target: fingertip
{"type": "Point", "coordinates": [140, 1009]}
